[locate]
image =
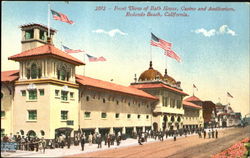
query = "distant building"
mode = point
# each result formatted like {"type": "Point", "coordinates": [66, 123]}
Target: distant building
{"type": "Point", "coordinates": [209, 114]}
{"type": "Point", "coordinates": [193, 113]}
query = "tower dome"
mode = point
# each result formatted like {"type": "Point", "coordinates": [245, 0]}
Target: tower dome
{"type": "Point", "coordinates": [150, 74]}
{"type": "Point", "coordinates": [169, 79]}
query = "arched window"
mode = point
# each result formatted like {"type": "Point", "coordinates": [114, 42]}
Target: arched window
{"type": "Point", "coordinates": [42, 133]}
{"type": "Point", "coordinates": [22, 132]}
{"type": "Point", "coordinates": [34, 72]}
{"type": "Point", "coordinates": [58, 74]}
{"type": "Point", "coordinates": [68, 76]}
{"type": "Point", "coordinates": [63, 73]}
{"type": "Point", "coordinates": [28, 73]}
{"type": "Point", "coordinates": [1, 95]}
{"type": "Point", "coordinates": [31, 133]}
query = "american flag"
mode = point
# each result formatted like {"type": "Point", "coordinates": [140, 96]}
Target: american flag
{"type": "Point", "coordinates": [61, 17]}
{"type": "Point", "coordinates": [68, 50]}
{"type": "Point", "coordinates": [170, 53]}
{"type": "Point", "coordinates": [229, 95]}
{"type": "Point", "coordinates": [95, 59]}
{"type": "Point", "coordinates": [157, 42]}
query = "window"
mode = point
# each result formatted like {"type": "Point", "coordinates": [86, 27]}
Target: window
{"type": "Point", "coordinates": [138, 116]}
{"type": "Point", "coordinates": [87, 98]}
{"type": "Point", "coordinates": [104, 115]}
{"type": "Point", "coordinates": [32, 114]}
{"type": "Point", "coordinates": [42, 35]}
{"type": "Point", "coordinates": [87, 114]}
{"type": "Point", "coordinates": [2, 132]}
{"type": "Point", "coordinates": [29, 34]}
{"type": "Point", "coordinates": [34, 72]}
{"type": "Point", "coordinates": [128, 116]}
{"type": "Point", "coordinates": [71, 94]}
{"type": "Point", "coordinates": [128, 103]}
{"type": "Point", "coordinates": [23, 93]}
{"type": "Point", "coordinates": [117, 115]}
{"type": "Point", "coordinates": [64, 95]}
{"type": "Point", "coordinates": [147, 106]}
{"type": "Point", "coordinates": [147, 116]}
{"type": "Point", "coordinates": [2, 114]}
{"type": "Point", "coordinates": [28, 73]}
{"type": "Point", "coordinates": [64, 115]}
{"type": "Point", "coordinates": [42, 133]}
{"type": "Point", "coordinates": [1, 95]}
{"type": "Point", "coordinates": [103, 100]}
{"type": "Point", "coordinates": [32, 94]}
{"type": "Point", "coordinates": [56, 92]}
{"type": "Point", "coordinates": [63, 73]}
{"type": "Point", "coordinates": [139, 105]}
{"type": "Point", "coordinates": [117, 102]}
{"type": "Point", "coordinates": [41, 91]}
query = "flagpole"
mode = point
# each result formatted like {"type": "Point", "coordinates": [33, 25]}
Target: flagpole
{"type": "Point", "coordinates": [150, 45]}
{"type": "Point", "coordinates": [83, 65]}
{"type": "Point", "coordinates": [49, 20]}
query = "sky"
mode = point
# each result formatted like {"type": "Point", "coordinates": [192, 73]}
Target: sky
{"type": "Point", "coordinates": [213, 45]}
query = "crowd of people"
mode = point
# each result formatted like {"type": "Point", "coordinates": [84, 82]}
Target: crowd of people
{"type": "Point", "coordinates": [33, 143]}
{"type": "Point", "coordinates": [26, 143]}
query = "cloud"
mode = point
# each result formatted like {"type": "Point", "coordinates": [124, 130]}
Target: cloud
{"type": "Point", "coordinates": [224, 29]}
{"type": "Point", "coordinates": [205, 32]}
{"type": "Point", "coordinates": [111, 33]}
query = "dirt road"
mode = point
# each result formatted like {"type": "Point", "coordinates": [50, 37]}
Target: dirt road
{"type": "Point", "coordinates": [189, 147]}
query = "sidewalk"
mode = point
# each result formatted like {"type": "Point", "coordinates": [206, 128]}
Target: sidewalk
{"type": "Point", "coordinates": [59, 152]}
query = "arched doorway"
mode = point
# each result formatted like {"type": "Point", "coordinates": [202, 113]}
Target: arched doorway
{"type": "Point", "coordinates": [31, 133]}
{"type": "Point", "coordinates": [155, 126]}
{"type": "Point", "coordinates": [64, 130]}
{"type": "Point", "coordinates": [164, 124]}
{"type": "Point", "coordinates": [224, 124]}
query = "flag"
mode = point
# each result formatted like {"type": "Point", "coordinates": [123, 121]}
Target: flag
{"type": "Point", "coordinates": [68, 50]}
{"type": "Point", "coordinates": [229, 95]}
{"type": "Point", "coordinates": [95, 59]}
{"type": "Point", "coordinates": [170, 53]}
{"type": "Point", "coordinates": [157, 42]}
{"type": "Point", "coordinates": [61, 17]}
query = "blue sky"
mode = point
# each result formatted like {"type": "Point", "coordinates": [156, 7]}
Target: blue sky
{"type": "Point", "coordinates": [213, 45]}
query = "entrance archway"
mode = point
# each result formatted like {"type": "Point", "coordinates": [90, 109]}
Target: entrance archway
{"type": "Point", "coordinates": [63, 130]}
{"type": "Point", "coordinates": [155, 126]}
{"type": "Point", "coordinates": [31, 133]}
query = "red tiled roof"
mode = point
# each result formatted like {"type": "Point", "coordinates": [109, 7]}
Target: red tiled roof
{"type": "Point", "coordinates": [157, 85]}
{"type": "Point", "coordinates": [9, 76]}
{"type": "Point", "coordinates": [39, 25]}
{"type": "Point", "coordinates": [48, 50]}
{"type": "Point", "coordinates": [186, 103]}
{"type": "Point", "coordinates": [192, 98]}
{"type": "Point", "coordinates": [87, 81]}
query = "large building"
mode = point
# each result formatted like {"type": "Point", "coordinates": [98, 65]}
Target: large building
{"type": "Point", "coordinates": [46, 97]}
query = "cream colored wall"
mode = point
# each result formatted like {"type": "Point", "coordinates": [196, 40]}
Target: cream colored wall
{"type": "Point", "coordinates": [6, 105]}
{"type": "Point", "coordinates": [21, 106]}
{"type": "Point", "coordinates": [56, 105]}
{"type": "Point", "coordinates": [193, 116]}
{"type": "Point", "coordinates": [96, 107]}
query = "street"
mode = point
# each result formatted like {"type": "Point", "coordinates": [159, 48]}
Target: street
{"type": "Point", "coordinates": [188, 147]}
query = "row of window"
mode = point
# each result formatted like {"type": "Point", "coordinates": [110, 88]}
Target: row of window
{"type": "Point", "coordinates": [29, 34]}
{"type": "Point", "coordinates": [167, 100]}
{"type": "Point", "coordinates": [117, 115]}
{"type": "Point", "coordinates": [33, 94]}
{"type": "Point", "coordinates": [64, 94]}
{"type": "Point", "coordinates": [32, 115]}
{"type": "Point", "coordinates": [117, 102]}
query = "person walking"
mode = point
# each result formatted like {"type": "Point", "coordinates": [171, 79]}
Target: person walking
{"type": "Point", "coordinates": [90, 139]}
{"type": "Point", "coordinates": [139, 138]}
{"type": "Point", "coordinates": [99, 141]}
{"type": "Point", "coordinates": [108, 140]}
{"type": "Point", "coordinates": [212, 133]}
{"type": "Point", "coordinates": [43, 144]}
{"type": "Point", "coordinates": [174, 136]}
{"type": "Point", "coordinates": [204, 132]}
{"type": "Point", "coordinates": [82, 140]}
{"type": "Point", "coordinates": [216, 134]}
{"type": "Point", "coordinates": [209, 134]}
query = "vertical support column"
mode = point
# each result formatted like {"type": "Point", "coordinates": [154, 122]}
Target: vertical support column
{"type": "Point", "coordinates": [43, 69]}
{"type": "Point", "coordinates": [143, 128]}
{"type": "Point", "coordinates": [123, 130]}
{"type": "Point", "coordinates": [111, 130]}
{"type": "Point", "coordinates": [96, 130]}
{"type": "Point", "coordinates": [24, 70]}
{"type": "Point", "coordinates": [46, 68]}
{"type": "Point", "coordinates": [21, 70]}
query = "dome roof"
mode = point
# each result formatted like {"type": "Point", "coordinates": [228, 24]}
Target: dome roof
{"type": "Point", "coordinates": [150, 74]}
{"type": "Point", "coordinates": [168, 78]}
